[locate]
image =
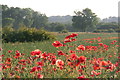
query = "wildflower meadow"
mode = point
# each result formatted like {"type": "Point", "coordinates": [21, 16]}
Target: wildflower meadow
{"type": "Point", "coordinates": [70, 56]}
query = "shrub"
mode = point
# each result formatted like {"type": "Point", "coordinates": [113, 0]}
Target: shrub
{"type": "Point", "coordinates": [24, 34]}
{"type": "Point", "coordinates": [97, 31]}
{"type": "Point", "coordinates": [111, 30]}
{"type": "Point", "coordinates": [64, 31]}
{"type": "Point", "coordinates": [104, 30]}
{"type": "Point", "coordinates": [117, 30]}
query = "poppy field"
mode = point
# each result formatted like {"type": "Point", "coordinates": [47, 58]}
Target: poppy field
{"type": "Point", "coordinates": [74, 55]}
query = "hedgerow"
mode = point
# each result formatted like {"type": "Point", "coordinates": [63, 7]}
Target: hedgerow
{"type": "Point", "coordinates": [25, 35]}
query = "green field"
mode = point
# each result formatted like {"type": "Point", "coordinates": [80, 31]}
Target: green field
{"type": "Point", "coordinates": [46, 45]}
{"type": "Point", "coordinates": [87, 39]}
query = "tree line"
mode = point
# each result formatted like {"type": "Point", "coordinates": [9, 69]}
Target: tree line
{"type": "Point", "coordinates": [82, 21]}
{"type": "Point", "coordinates": [17, 17]}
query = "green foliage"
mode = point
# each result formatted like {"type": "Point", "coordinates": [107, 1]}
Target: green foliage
{"type": "Point", "coordinates": [39, 20]}
{"type": "Point", "coordinates": [7, 30]}
{"type": "Point", "coordinates": [16, 16]}
{"type": "Point", "coordinates": [64, 31]}
{"type": "Point", "coordinates": [24, 34]}
{"type": "Point", "coordinates": [111, 25]}
{"type": "Point", "coordinates": [117, 30]}
{"type": "Point", "coordinates": [107, 27]}
{"type": "Point", "coordinates": [104, 30]}
{"type": "Point", "coordinates": [7, 22]}
{"type": "Point", "coordinates": [52, 71]}
{"type": "Point", "coordinates": [84, 20]}
{"type": "Point", "coordinates": [56, 26]}
{"type": "Point", "coordinates": [111, 30]}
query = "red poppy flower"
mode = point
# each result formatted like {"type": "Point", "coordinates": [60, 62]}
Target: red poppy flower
{"type": "Point", "coordinates": [53, 61]}
{"type": "Point", "coordinates": [68, 37]}
{"type": "Point", "coordinates": [57, 44]}
{"type": "Point", "coordinates": [82, 66]}
{"type": "Point", "coordinates": [73, 56]}
{"type": "Point", "coordinates": [22, 60]}
{"type": "Point", "coordinates": [18, 54]}
{"type": "Point", "coordinates": [103, 63]}
{"type": "Point", "coordinates": [99, 39]}
{"type": "Point", "coordinates": [39, 75]}
{"type": "Point", "coordinates": [59, 63]}
{"type": "Point", "coordinates": [61, 53]}
{"type": "Point", "coordinates": [95, 73]}
{"type": "Point", "coordinates": [82, 78]}
{"type": "Point", "coordinates": [90, 41]}
{"type": "Point", "coordinates": [71, 51]}
{"type": "Point", "coordinates": [16, 57]}
{"type": "Point", "coordinates": [111, 67]}
{"type": "Point", "coordinates": [81, 59]}
{"type": "Point", "coordinates": [36, 52]}
{"type": "Point", "coordinates": [113, 42]}
{"type": "Point", "coordinates": [54, 69]}
{"type": "Point", "coordinates": [44, 55]}
{"type": "Point", "coordinates": [40, 63]}
{"type": "Point", "coordinates": [73, 39]}
{"type": "Point", "coordinates": [33, 69]}
{"type": "Point", "coordinates": [80, 70]}
{"type": "Point", "coordinates": [17, 51]}
{"type": "Point", "coordinates": [105, 46]}
{"type": "Point", "coordinates": [67, 40]}
{"type": "Point", "coordinates": [8, 59]}
{"type": "Point", "coordinates": [39, 68]}
{"type": "Point", "coordinates": [91, 48]}
{"type": "Point", "coordinates": [81, 47]}
{"type": "Point", "coordinates": [23, 68]}
{"type": "Point", "coordinates": [9, 51]}
{"type": "Point", "coordinates": [71, 35]}
{"type": "Point", "coordinates": [7, 62]}
{"type": "Point", "coordinates": [36, 68]}
{"type": "Point", "coordinates": [71, 64]}
{"type": "Point", "coordinates": [101, 44]}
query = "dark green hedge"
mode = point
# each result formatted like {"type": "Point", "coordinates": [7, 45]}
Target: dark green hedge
{"type": "Point", "coordinates": [104, 30]}
{"type": "Point", "coordinates": [25, 35]}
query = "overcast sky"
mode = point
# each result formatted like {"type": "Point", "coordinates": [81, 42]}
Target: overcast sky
{"type": "Point", "coordinates": [103, 8]}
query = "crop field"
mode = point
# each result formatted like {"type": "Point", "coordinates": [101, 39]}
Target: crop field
{"type": "Point", "coordinates": [71, 55]}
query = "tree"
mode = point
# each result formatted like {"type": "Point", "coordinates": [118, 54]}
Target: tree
{"type": "Point", "coordinates": [0, 16]}
{"type": "Point", "coordinates": [22, 16]}
{"type": "Point", "coordinates": [39, 20]}
{"type": "Point", "coordinates": [59, 27]}
{"type": "Point", "coordinates": [4, 11]}
{"type": "Point", "coordinates": [85, 20]}
{"type": "Point", "coordinates": [28, 17]}
{"type": "Point", "coordinates": [7, 22]}
{"type": "Point", "coordinates": [56, 26]}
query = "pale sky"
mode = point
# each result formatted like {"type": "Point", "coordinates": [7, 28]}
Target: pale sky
{"type": "Point", "coordinates": [102, 8]}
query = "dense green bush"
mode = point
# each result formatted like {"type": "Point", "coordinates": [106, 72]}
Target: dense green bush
{"type": "Point", "coordinates": [24, 34]}
{"type": "Point", "coordinates": [104, 30]}
{"type": "Point", "coordinates": [97, 31]}
{"type": "Point", "coordinates": [64, 31]}
{"type": "Point", "coordinates": [117, 30]}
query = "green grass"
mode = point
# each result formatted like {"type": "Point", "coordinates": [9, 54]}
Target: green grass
{"type": "Point", "coordinates": [46, 45]}
{"type": "Point", "coordinates": [68, 72]}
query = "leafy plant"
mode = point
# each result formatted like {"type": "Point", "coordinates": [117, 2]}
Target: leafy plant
{"type": "Point", "coordinates": [24, 34]}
